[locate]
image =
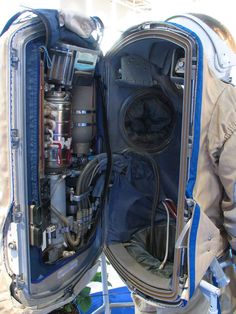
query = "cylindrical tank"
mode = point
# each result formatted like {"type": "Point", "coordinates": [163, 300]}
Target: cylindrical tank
{"type": "Point", "coordinates": [57, 119]}
{"type": "Point", "coordinates": [84, 119]}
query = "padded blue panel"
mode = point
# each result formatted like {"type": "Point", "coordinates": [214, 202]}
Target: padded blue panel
{"type": "Point", "coordinates": [32, 88]}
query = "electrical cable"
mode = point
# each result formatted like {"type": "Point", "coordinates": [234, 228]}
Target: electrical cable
{"type": "Point", "coordinates": [107, 143]}
{"type": "Point", "coordinates": [67, 235]}
{"type": "Point", "coordinates": [167, 236]}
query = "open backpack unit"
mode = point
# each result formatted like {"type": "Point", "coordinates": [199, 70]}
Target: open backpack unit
{"type": "Point", "coordinates": [108, 153]}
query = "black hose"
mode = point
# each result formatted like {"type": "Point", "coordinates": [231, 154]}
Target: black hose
{"type": "Point", "coordinates": [108, 172]}
{"type": "Point", "coordinates": [155, 202]}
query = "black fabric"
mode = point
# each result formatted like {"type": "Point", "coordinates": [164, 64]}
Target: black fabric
{"type": "Point", "coordinates": [137, 248]}
{"type": "Point", "coordinates": [161, 55]}
{"type": "Point", "coordinates": [148, 119]}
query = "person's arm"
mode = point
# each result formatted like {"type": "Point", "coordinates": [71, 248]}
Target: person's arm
{"type": "Point", "coordinates": [227, 175]}
{"type": "Point", "coordinates": [222, 148]}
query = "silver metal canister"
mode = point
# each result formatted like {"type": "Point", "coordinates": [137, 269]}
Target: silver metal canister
{"type": "Point", "coordinates": [84, 119]}
{"type": "Point", "coordinates": [57, 119]}
{"type": "Point", "coordinates": [62, 67]}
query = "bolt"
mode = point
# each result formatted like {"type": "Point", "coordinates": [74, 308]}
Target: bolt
{"type": "Point", "coordinates": [12, 245]}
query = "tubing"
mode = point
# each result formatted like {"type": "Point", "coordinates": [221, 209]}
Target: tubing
{"type": "Point", "coordinates": [68, 238]}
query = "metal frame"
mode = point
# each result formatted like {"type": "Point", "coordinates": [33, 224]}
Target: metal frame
{"type": "Point", "coordinates": [106, 305]}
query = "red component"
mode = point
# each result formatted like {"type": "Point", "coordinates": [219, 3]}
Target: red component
{"type": "Point", "coordinates": [68, 156]}
{"type": "Point", "coordinates": [59, 155]}
{"type": "Point", "coordinates": [171, 207]}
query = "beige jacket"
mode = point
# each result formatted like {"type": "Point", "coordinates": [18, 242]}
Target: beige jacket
{"type": "Point", "coordinates": [214, 188]}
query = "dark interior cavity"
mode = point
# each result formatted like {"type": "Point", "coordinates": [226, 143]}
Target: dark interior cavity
{"type": "Point", "coordinates": [145, 117]}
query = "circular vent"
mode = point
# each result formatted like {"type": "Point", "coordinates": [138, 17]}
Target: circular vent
{"type": "Point", "coordinates": [147, 120]}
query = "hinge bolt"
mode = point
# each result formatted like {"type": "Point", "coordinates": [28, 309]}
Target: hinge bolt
{"type": "Point", "coordinates": [12, 245]}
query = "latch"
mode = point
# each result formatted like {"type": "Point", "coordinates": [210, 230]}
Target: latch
{"type": "Point", "coordinates": [15, 140]}
{"type": "Point", "coordinates": [14, 58]}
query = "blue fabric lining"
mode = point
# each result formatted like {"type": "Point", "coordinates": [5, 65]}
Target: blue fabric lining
{"type": "Point", "coordinates": [193, 167]}
{"type": "Point", "coordinates": [42, 270]}
{"type": "Point", "coordinates": [192, 248]}
{"type": "Point", "coordinates": [32, 114]}
{"type": "Point", "coordinates": [86, 254]}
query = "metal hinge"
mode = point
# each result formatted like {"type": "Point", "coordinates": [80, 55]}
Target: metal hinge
{"type": "Point", "coordinates": [68, 292]}
{"type": "Point", "coordinates": [194, 63]}
{"type": "Point", "coordinates": [14, 58]}
{"type": "Point", "coordinates": [194, 67]}
{"type": "Point", "coordinates": [190, 145]}
{"type": "Point", "coordinates": [19, 282]}
{"type": "Point", "coordinates": [15, 140]}
{"type": "Point", "coordinates": [17, 214]}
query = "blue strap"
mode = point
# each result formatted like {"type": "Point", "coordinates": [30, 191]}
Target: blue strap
{"type": "Point", "coordinates": [55, 33]}
{"type": "Point", "coordinates": [10, 21]}
{"type": "Point", "coordinates": [51, 24]}
{"type": "Point", "coordinates": [49, 19]}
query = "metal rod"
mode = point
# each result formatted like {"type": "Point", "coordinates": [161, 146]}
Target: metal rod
{"type": "Point", "coordinates": [107, 306]}
{"type": "Point", "coordinates": [105, 284]}
{"type": "Point", "coordinates": [122, 304]}
{"type": "Point", "coordinates": [99, 310]}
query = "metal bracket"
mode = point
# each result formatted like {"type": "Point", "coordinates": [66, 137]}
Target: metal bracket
{"type": "Point", "coordinates": [19, 282]}
{"type": "Point", "coordinates": [211, 293]}
{"type": "Point", "coordinates": [190, 145]}
{"type": "Point", "coordinates": [107, 306]}
{"type": "Point", "coordinates": [79, 198]}
{"type": "Point", "coordinates": [216, 268]}
{"type": "Point", "coordinates": [17, 214]}
{"type": "Point", "coordinates": [15, 140]}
